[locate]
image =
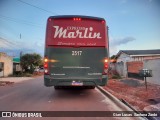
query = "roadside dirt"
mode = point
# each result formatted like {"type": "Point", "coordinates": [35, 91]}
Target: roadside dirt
{"type": "Point", "coordinates": [37, 74]}
{"type": "Point", "coordinates": [134, 92]}
{"type": "Point", "coordinates": [4, 83]}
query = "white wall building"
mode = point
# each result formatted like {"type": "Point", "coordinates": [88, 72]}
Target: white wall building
{"type": "Point", "coordinates": [124, 56]}
{"type": "Point", "coordinates": [6, 65]}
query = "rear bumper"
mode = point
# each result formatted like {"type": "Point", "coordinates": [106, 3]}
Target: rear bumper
{"type": "Point", "coordinates": [48, 81]}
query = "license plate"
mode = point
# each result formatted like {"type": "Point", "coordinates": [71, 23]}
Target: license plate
{"type": "Point", "coordinates": [77, 83]}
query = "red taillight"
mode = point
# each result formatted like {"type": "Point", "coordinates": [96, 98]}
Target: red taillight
{"type": "Point", "coordinates": [103, 21]}
{"type": "Point", "coordinates": [46, 66]}
{"type": "Point", "coordinates": [77, 19]}
{"type": "Point", "coordinates": [50, 19]}
{"type": "Point", "coordinates": [106, 62]}
{"type": "Point", "coordinates": [105, 65]}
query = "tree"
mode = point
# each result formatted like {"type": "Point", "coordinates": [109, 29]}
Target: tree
{"type": "Point", "coordinates": [30, 61]}
{"type": "Point", "coordinates": [113, 57]}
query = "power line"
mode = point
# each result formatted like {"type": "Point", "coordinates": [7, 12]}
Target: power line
{"type": "Point", "coordinates": [19, 21]}
{"type": "Point", "coordinates": [37, 7]}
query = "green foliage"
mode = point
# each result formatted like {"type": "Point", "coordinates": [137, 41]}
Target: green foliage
{"type": "Point", "coordinates": [30, 61]}
{"type": "Point", "coordinates": [20, 74]}
{"type": "Point", "coordinates": [113, 57]}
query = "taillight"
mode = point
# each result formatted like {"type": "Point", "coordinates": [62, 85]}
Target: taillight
{"type": "Point", "coordinates": [49, 19]}
{"type": "Point", "coordinates": [106, 65]}
{"type": "Point", "coordinates": [103, 21]}
{"type": "Point", "coordinates": [46, 66]}
{"type": "Point", "coordinates": [46, 60]}
{"type": "Point", "coordinates": [77, 19]}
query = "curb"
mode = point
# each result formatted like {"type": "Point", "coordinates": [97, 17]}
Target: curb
{"type": "Point", "coordinates": [15, 79]}
{"type": "Point", "coordinates": [123, 104]}
{"type": "Point", "coordinates": [118, 102]}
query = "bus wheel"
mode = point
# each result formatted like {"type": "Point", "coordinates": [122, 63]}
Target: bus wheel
{"type": "Point", "coordinates": [56, 87]}
{"type": "Point", "coordinates": [90, 87]}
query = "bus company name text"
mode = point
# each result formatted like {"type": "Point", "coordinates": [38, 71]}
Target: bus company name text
{"type": "Point", "coordinates": [79, 32]}
{"type": "Point", "coordinates": [23, 114]}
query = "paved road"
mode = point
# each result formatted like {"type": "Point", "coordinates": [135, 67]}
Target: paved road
{"type": "Point", "coordinates": [32, 95]}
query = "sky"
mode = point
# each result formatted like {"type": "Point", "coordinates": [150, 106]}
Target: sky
{"type": "Point", "coordinates": [133, 24]}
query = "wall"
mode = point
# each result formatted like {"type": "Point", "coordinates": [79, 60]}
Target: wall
{"type": "Point", "coordinates": [8, 64]}
{"type": "Point", "coordinates": [133, 69]}
{"type": "Point", "coordinates": [153, 65]}
{"type": "Point", "coordinates": [121, 66]}
{"type": "Point", "coordinates": [134, 66]}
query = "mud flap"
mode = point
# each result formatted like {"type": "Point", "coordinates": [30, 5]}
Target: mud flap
{"type": "Point", "coordinates": [104, 80]}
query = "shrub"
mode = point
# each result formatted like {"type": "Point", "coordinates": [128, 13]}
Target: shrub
{"type": "Point", "coordinates": [116, 76]}
{"type": "Point", "coordinates": [20, 74]}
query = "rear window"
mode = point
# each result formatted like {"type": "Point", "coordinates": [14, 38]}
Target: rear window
{"type": "Point", "coordinates": [76, 32]}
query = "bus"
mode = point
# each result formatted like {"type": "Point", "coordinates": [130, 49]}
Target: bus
{"type": "Point", "coordinates": [76, 51]}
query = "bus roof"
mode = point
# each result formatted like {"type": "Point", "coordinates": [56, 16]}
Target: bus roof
{"type": "Point", "coordinates": [72, 16]}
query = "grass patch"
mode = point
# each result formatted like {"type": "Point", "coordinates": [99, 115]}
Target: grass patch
{"type": "Point", "coordinates": [116, 76]}
{"type": "Point", "coordinates": [21, 74]}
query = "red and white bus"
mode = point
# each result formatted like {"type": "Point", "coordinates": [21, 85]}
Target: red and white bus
{"type": "Point", "coordinates": [76, 51]}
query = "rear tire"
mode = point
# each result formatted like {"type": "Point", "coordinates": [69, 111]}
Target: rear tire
{"type": "Point", "coordinates": [90, 87]}
{"type": "Point", "coordinates": [56, 87]}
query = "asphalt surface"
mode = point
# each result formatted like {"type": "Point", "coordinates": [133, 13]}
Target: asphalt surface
{"type": "Point", "coordinates": [32, 95]}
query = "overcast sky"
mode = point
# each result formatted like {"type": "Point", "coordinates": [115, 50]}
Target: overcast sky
{"type": "Point", "coordinates": [133, 24]}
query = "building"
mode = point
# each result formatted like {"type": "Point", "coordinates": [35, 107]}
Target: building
{"type": "Point", "coordinates": [129, 62]}
{"type": "Point", "coordinates": [6, 65]}
{"type": "Point", "coordinates": [137, 55]}
{"type": "Point", "coordinates": [16, 65]}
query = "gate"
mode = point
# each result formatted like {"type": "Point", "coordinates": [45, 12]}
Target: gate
{"type": "Point", "coordinates": [1, 69]}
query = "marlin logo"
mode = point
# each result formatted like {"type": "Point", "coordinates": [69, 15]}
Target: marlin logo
{"type": "Point", "coordinates": [60, 32]}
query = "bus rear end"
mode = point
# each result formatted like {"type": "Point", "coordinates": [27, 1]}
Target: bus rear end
{"type": "Point", "coordinates": [76, 51]}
